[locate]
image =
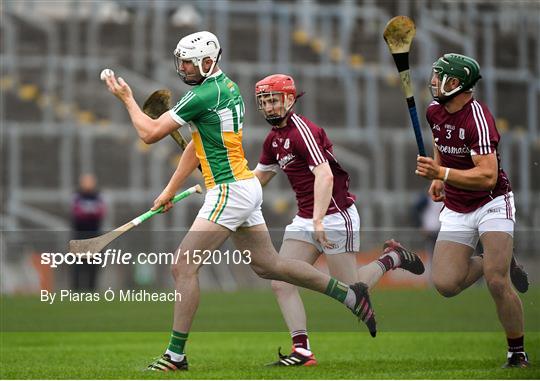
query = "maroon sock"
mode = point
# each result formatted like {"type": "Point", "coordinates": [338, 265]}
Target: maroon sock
{"type": "Point", "coordinates": [516, 345]}
{"type": "Point", "coordinates": [300, 339]}
{"type": "Point", "coordinates": [386, 262]}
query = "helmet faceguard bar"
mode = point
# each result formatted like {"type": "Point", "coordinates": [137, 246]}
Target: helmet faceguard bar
{"type": "Point", "coordinates": [197, 61]}
{"type": "Point", "coordinates": [277, 115]}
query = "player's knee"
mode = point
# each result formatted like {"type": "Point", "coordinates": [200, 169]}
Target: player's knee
{"type": "Point", "coordinates": [269, 269]}
{"type": "Point", "coordinates": [263, 271]}
{"type": "Point", "coordinates": [176, 271]}
{"type": "Point", "coordinates": [497, 285]}
{"type": "Point", "coordinates": [446, 289]}
{"type": "Point", "coordinates": [282, 288]}
{"type": "Point", "coordinates": [182, 270]}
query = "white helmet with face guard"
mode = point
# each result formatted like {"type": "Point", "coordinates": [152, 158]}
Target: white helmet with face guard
{"type": "Point", "coordinates": [195, 48]}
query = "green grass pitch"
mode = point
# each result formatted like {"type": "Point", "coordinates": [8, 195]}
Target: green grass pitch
{"type": "Point", "coordinates": [422, 335]}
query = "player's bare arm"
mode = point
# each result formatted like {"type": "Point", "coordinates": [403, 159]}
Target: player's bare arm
{"type": "Point", "coordinates": [149, 130]}
{"type": "Point", "coordinates": [264, 176]}
{"type": "Point", "coordinates": [482, 177]}
{"type": "Point", "coordinates": [187, 164]}
{"type": "Point", "coordinates": [436, 189]}
{"type": "Point", "coordinates": [322, 193]}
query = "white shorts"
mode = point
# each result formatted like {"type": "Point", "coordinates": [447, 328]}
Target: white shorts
{"type": "Point", "coordinates": [234, 205]}
{"type": "Point", "coordinates": [498, 215]}
{"type": "Point", "coordinates": [342, 229]}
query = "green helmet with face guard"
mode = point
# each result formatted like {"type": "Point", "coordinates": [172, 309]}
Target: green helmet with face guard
{"type": "Point", "coordinates": [465, 69]}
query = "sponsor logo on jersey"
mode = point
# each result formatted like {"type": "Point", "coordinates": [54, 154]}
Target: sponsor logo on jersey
{"type": "Point", "coordinates": [454, 150]}
{"type": "Point", "coordinates": [287, 143]}
{"type": "Point", "coordinates": [285, 160]}
{"type": "Point", "coordinates": [436, 127]}
{"type": "Point", "coordinates": [274, 144]}
{"type": "Point", "coordinates": [449, 127]}
{"type": "Point", "coordinates": [462, 133]}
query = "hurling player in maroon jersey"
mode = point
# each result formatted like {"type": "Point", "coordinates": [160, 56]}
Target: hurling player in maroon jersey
{"type": "Point", "coordinates": [478, 201]}
{"type": "Point", "coordinates": [327, 220]}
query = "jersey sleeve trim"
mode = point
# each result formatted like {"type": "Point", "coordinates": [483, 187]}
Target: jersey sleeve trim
{"type": "Point", "coordinates": [482, 128]}
{"type": "Point", "coordinates": [268, 168]}
{"type": "Point", "coordinates": [185, 106]}
{"type": "Point", "coordinates": [184, 101]}
{"type": "Point", "coordinates": [176, 118]}
{"type": "Point", "coordinates": [309, 140]}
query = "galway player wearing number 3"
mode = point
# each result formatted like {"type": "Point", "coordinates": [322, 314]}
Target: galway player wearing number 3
{"type": "Point", "coordinates": [214, 111]}
{"type": "Point", "coordinates": [327, 220]}
{"type": "Point", "coordinates": [478, 200]}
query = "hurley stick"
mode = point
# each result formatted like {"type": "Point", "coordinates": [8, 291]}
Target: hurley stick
{"type": "Point", "coordinates": [398, 34]}
{"type": "Point", "coordinates": [96, 244]}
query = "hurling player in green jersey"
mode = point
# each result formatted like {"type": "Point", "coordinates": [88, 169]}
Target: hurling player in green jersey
{"type": "Point", "coordinates": [214, 111]}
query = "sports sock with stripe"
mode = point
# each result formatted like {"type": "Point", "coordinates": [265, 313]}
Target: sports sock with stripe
{"type": "Point", "coordinates": [516, 344]}
{"type": "Point", "coordinates": [389, 261]}
{"type": "Point", "coordinates": [300, 339]}
{"type": "Point", "coordinates": [337, 290]}
{"type": "Point", "coordinates": [176, 345]}
{"type": "Point", "coordinates": [341, 292]}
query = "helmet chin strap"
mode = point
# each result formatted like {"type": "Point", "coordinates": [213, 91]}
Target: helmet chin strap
{"type": "Point", "coordinates": [274, 120]}
{"type": "Point", "coordinates": [447, 95]}
{"type": "Point", "coordinates": [442, 99]}
{"type": "Point", "coordinates": [209, 72]}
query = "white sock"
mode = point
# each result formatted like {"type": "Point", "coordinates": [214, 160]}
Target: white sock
{"type": "Point", "coordinates": [303, 351]}
{"type": "Point", "coordinates": [350, 299]}
{"type": "Point", "coordinates": [395, 257]}
{"type": "Point", "coordinates": [175, 356]}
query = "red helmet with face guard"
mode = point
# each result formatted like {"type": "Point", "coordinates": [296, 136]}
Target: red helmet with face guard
{"type": "Point", "coordinates": [275, 90]}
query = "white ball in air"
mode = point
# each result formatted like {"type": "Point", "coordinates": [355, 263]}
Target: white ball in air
{"type": "Point", "coordinates": [106, 73]}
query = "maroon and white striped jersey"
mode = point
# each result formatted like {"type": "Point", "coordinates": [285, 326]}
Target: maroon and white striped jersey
{"type": "Point", "coordinates": [297, 148]}
{"type": "Point", "coordinates": [458, 136]}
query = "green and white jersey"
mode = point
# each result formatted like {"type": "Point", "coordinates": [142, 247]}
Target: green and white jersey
{"type": "Point", "coordinates": [214, 111]}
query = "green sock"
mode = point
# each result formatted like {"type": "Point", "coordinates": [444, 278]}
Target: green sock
{"type": "Point", "coordinates": [337, 290]}
{"type": "Point", "coordinates": [178, 342]}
